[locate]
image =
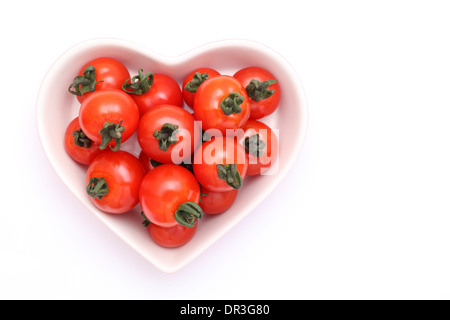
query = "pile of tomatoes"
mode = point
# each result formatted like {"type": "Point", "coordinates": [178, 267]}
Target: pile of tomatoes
{"type": "Point", "coordinates": [190, 163]}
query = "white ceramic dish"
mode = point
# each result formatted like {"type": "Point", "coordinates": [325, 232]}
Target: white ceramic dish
{"type": "Point", "coordinates": [56, 107]}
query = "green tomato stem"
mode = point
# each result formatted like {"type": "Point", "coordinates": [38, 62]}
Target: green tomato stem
{"type": "Point", "coordinates": [257, 90]}
{"type": "Point", "coordinates": [254, 145]}
{"type": "Point", "coordinates": [197, 80]}
{"type": "Point", "coordinates": [230, 174]}
{"type": "Point", "coordinates": [166, 136]}
{"type": "Point", "coordinates": [111, 131]}
{"type": "Point", "coordinates": [231, 104]}
{"type": "Point", "coordinates": [97, 187]}
{"type": "Point", "coordinates": [146, 221]}
{"type": "Point", "coordinates": [188, 213]}
{"type": "Point", "coordinates": [80, 139]}
{"type": "Point", "coordinates": [139, 84]}
{"type": "Point", "coordinates": [84, 83]}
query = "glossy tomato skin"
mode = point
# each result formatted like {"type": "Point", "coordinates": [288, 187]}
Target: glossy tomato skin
{"type": "Point", "coordinates": [189, 96]}
{"type": "Point", "coordinates": [259, 161]}
{"type": "Point", "coordinates": [123, 173]}
{"type": "Point", "coordinates": [171, 237]}
{"type": "Point", "coordinates": [110, 105]}
{"type": "Point", "coordinates": [163, 189]}
{"type": "Point", "coordinates": [263, 107]}
{"type": "Point", "coordinates": [207, 102]}
{"type": "Point", "coordinates": [217, 202]}
{"type": "Point", "coordinates": [188, 133]}
{"type": "Point", "coordinates": [218, 151]}
{"type": "Point", "coordinates": [164, 90]}
{"type": "Point", "coordinates": [79, 153]}
{"type": "Point", "coordinates": [111, 72]}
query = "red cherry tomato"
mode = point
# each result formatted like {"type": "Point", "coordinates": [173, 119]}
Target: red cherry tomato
{"type": "Point", "coordinates": [169, 195]}
{"type": "Point", "coordinates": [169, 237]}
{"type": "Point", "coordinates": [150, 90]}
{"type": "Point", "coordinates": [109, 117]}
{"type": "Point", "coordinates": [261, 146]}
{"type": "Point", "coordinates": [99, 74]}
{"type": "Point", "coordinates": [221, 103]}
{"type": "Point", "coordinates": [78, 146]}
{"type": "Point", "coordinates": [168, 134]}
{"type": "Point", "coordinates": [262, 88]}
{"type": "Point", "coordinates": [220, 164]}
{"type": "Point", "coordinates": [193, 80]}
{"type": "Point", "coordinates": [213, 202]}
{"type": "Point", "coordinates": [113, 181]}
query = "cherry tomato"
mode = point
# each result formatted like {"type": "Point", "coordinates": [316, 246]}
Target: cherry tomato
{"type": "Point", "coordinates": [262, 88]}
{"type": "Point", "coordinates": [213, 202]}
{"type": "Point", "coordinates": [169, 195]}
{"type": "Point", "coordinates": [220, 164]}
{"type": "Point", "coordinates": [261, 146]}
{"type": "Point", "coordinates": [109, 117]}
{"type": "Point", "coordinates": [150, 90]}
{"type": "Point", "coordinates": [168, 134]}
{"type": "Point", "coordinates": [193, 80]}
{"type": "Point", "coordinates": [78, 146]}
{"type": "Point", "coordinates": [113, 181]}
{"type": "Point", "coordinates": [169, 237]}
{"type": "Point", "coordinates": [99, 74]}
{"type": "Point", "coordinates": [221, 103]}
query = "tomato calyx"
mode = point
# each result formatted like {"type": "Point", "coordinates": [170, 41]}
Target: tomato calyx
{"type": "Point", "coordinates": [84, 83]}
{"type": "Point", "coordinates": [80, 139]}
{"type": "Point", "coordinates": [155, 163]}
{"type": "Point", "coordinates": [188, 213]}
{"type": "Point", "coordinates": [231, 104]}
{"type": "Point", "coordinates": [139, 84]}
{"type": "Point", "coordinates": [111, 131]}
{"type": "Point", "coordinates": [166, 136]}
{"type": "Point", "coordinates": [203, 194]}
{"type": "Point", "coordinates": [254, 145]}
{"type": "Point", "coordinates": [97, 187]}
{"type": "Point", "coordinates": [197, 80]}
{"type": "Point", "coordinates": [257, 90]}
{"type": "Point", "coordinates": [146, 221]}
{"type": "Point", "coordinates": [230, 174]}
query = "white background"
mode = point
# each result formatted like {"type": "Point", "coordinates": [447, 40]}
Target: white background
{"type": "Point", "coordinates": [364, 212]}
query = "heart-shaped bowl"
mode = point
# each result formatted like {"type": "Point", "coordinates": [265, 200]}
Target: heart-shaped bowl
{"type": "Point", "coordinates": [56, 107]}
